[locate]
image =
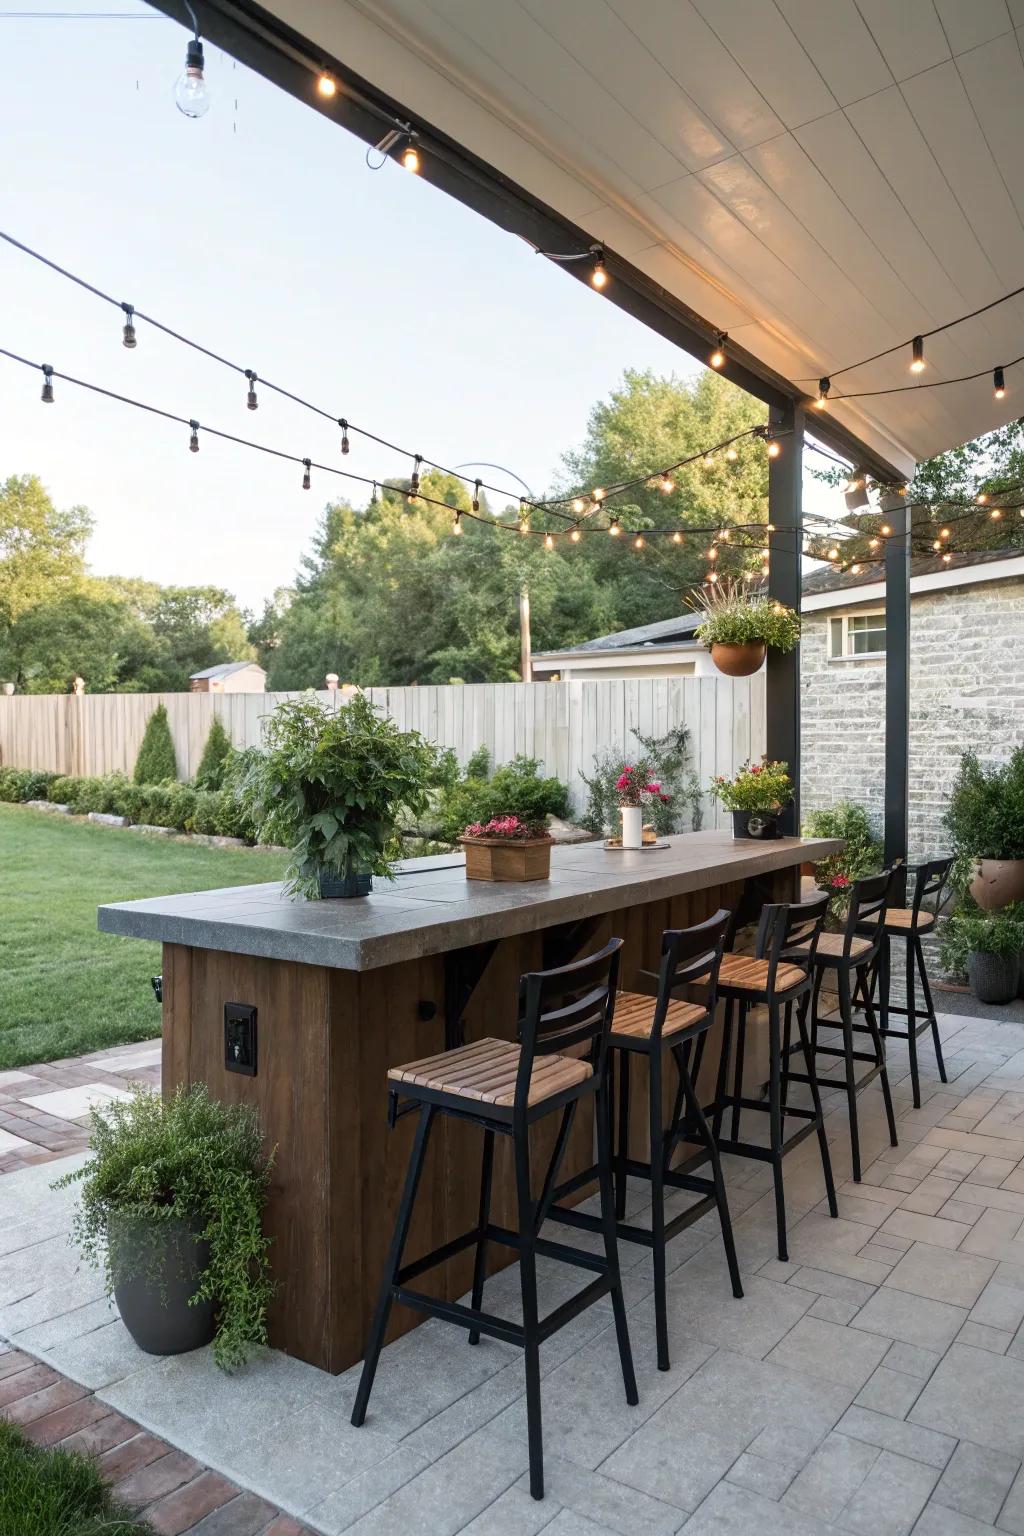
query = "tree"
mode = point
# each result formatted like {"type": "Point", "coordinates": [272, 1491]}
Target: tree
{"type": "Point", "coordinates": [76, 633]}
{"type": "Point", "coordinates": [42, 550]}
{"type": "Point", "coordinates": [216, 754]}
{"type": "Point", "coordinates": [156, 762]}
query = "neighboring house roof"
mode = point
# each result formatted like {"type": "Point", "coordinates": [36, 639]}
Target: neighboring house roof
{"type": "Point", "coordinates": [825, 588]}
{"type": "Point", "coordinates": [224, 669]}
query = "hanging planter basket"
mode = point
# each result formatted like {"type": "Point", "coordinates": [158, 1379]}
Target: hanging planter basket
{"type": "Point", "coordinates": [739, 660]}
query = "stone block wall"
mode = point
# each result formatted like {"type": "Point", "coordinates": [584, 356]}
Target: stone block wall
{"type": "Point", "coordinates": [966, 690]}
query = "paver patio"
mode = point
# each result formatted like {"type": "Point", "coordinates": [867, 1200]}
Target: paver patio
{"type": "Point", "coordinates": [875, 1384]}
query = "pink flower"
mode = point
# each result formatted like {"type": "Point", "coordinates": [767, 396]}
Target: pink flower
{"type": "Point", "coordinates": [653, 788]}
{"type": "Point", "coordinates": [624, 781]}
{"type": "Point", "coordinates": [840, 882]}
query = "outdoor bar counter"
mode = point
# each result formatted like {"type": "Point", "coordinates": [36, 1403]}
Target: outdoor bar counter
{"type": "Point", "coordinates": [344, 989]}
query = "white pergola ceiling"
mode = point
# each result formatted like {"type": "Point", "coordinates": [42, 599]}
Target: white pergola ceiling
{"type": "Point", "coordinates": [820, 178]}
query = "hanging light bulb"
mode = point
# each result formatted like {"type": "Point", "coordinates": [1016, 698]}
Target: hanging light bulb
{"type": "Point", "coordinates": [578, 504]}
{"type": "Point", "coordinates": [943, 533]}
{"type": "Point", "coordinates": [874, 543]}
{"type": "Point", "coordinates": [47, 394]}
{"type": "Point", "coordinates": [638, 542]}
{"type": "Point", "coordinates": [824, 385]}
{"type": "Point", "coordinates": [411, 155]}
{"type": "Point", "coordinates": [414, 481]}
{"type": "Point", "coordinates": [665, 483]}
{"type": "Point", "coordinates": [343, 424]}
{"type": "Point", "coordinates": [713, 553]}
{"type": "Point", "coordinates": [947, 557]}
{"type": "Point", "coordinates": [854, 570]}
{"type": "Point", "coordinates": [190, 91]}
{"type": "Point", "coordinates": [773, 448]}
{"type": "Point", "coordinates": [996, 514]}
{"type": "Point", "coordinates": [833, 553]}
{"type": "Point", "coordinates": [998, 383]}
{"type": "Point", "coordinates": [677, 537]}
{"type": "Point", "coordinates": [723, 535]}
{"type": "Point", "coordinates": [599, 493]}
{"type": "Point", "coordinates": [524, 527]}
{"type": "Point", "coordinates": [885, 530]}
{"type": "Point", "coordinates": [711, 576]}
{"type": "Point", "coordinates": [326, 85]}
{"type": "Point", "coordinates": [936, 544]}
{"type": "Point", "coordinates": [613, 528]}
{"type": "Point", "coordinates": [457, 523]}
{"type": "Point", "coordinates": [917, 355]}
{"type": "Point", "coordinates": [732, 454]}
{"type": "Point", "coordinates": [599, 272]}
{"type": "Point", "coordinates": [575, 535]}
{"type": "Point", "coordinates": [717, 358]}
{"type": "Point", "coordinates": [307, 465]}
{"type": "Point", "coordinates": [549, 541]}
{"type": "Point", "coordinates": [981, 498]}
{"type": "Point", "coordinates": [476, 495]}
{"type": "Point", "coordinates": [251, 403]}
{"type": "Point", "coordinates": [128, 338]}
{"type": "Point", "coordinates": [193, 442]}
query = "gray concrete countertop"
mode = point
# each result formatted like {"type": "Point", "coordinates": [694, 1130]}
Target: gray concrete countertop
{"type": "Point", "coordinates": [431, 907]}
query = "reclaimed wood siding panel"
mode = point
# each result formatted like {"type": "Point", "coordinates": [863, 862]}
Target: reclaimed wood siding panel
{"type": "Point", "coordinates": [563, 724]}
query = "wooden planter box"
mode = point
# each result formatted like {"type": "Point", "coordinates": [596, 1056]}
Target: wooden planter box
{"type": "Point", "coordinates": [503, 858]}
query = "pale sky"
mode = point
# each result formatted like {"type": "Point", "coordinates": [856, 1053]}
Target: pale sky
{"type": "Point", "coordinates": [259, 231]}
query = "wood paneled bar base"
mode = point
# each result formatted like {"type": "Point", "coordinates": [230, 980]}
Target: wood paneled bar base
{"type": "Point", "coordinates": [345, 989]}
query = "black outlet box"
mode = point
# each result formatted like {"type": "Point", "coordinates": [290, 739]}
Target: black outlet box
{"type": "Point", "coordinates": [240, 1038]}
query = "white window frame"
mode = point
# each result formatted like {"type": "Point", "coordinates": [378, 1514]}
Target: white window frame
{"type": "Point", "coordinates": [843, 619]}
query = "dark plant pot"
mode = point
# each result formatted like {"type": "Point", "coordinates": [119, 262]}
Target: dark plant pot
{"type": "Point", "coordinates": [763, 826]}
{"type": "Point", "coordinates": [164, 1263]}
{"type": "Point", "coordinates": [1020, 977]}
{"type": "Point", "coordinates": [334, 886]}
{"type": "Point", "coordinates": [993, 978]}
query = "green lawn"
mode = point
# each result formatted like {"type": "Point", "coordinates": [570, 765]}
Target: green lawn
{"type": "Point", "coordinates": [65, 988]}
{"type": "Point", "coordinates": [56, 1493]}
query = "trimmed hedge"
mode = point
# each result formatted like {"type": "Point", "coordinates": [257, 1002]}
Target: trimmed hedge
{"type": "Point", "coordinates": [215, 812]}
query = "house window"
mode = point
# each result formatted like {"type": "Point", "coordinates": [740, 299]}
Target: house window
{"type": "Point", "coordinates": [856, 634]}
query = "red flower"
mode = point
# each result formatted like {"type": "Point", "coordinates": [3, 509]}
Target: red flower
{"type": "Point", "coordinates": [623, 781]}
{"type": "Point", "coordinates": [840, 882]}
{"type": "Point", "coordinates": [755, 767]}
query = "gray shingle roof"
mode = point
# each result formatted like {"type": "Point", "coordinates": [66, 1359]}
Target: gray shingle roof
{"type": "Point", "coordinates": [223, 669]}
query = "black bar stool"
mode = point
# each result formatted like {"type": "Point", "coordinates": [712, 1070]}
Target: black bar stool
{"type": "Point", "coordinates": [778, 976]}
{"type": "Point", "coordinates": [506, 1089]}
{"type": "Point", "coordinates": [855, 951]}
{"type": "Point", "coordinates": [910, 923]}
{"type": "Point", "coordinates": [654, 1027]}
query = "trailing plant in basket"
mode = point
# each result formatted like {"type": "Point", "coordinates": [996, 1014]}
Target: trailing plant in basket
{"type": "Point", "coordinates": [333, 785]}
{"type": "Point", "coordinates": [763, 786]}
{"type": "Point", "coordinates": [159, 1162]}
{"type": "Point", "coordinates": [733, 617]}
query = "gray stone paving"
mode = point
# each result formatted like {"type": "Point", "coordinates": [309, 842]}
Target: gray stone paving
{"type": "Point", "coordinates": [873, 1385]}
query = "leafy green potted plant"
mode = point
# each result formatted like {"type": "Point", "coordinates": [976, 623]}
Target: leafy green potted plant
{"type": "Point", "coordinates": [171, 1208]}
{"type": "Point", "coordinates": [987, 945]}
{"type": "Point", "coordinates": [758, 797]}
{"type": "Point", "coordinates": [862, 854]}
{"type": "Point", "coordinates": [986, 819]}
{"type": "Point", "coordinates": [738, 628]}
{"type": "Point", "coordinates": [332, 786]}
{"type": "Point", "coordinates": [506, 848]}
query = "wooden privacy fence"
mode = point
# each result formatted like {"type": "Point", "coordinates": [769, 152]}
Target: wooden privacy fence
{"type": "Point", "coordinates": [563, 724]}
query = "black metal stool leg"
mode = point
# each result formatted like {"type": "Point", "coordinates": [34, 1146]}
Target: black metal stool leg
{"type": "Point", "coordinates": [846, 1014]}
{"type": "Point", "coordinates": [622, 1062]}
{"type": "Point", "coordinates": [737, 1075]}
{"type": "Point", "coordinates": [480, 1266]}
{"type": "Point", "coordinates": [787, 1047]}
{"type": "Point", "coordinates": [721, 1199]}
{"type": "Point", "coordinates": [915, 1080]}
{"type": "Point", "coordinates": [883, 1070]}
{"type": "Point", "coordinates": [611, 1245]}
{"type": "Point", "coordinates": [812, 1076]}
{"type": "Point", "coordinates": [775, 1103]}
{"type": "Point", "coordinates": [393, 1264]}
{"type": "Point", "coordinates": [723, 1069]}
{"type": "Point", "coordinates": [658, 1208]}
{"type": "Point", "coordinates": [926, 989]}
{"type": "Point", "coordinates": [531, 1325]}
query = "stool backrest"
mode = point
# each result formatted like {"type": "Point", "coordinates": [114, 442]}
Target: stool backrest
{"type": "Point", "coordinates": [869, 902]}
{"type": "Point", "coordinates": [930, 880]}
{"type": "Point", "coordinates": [690, 957]}
{"type": "Point", "coordinates": [788, 933]}
{"type": "Point", "coordinates": [568, 1009]}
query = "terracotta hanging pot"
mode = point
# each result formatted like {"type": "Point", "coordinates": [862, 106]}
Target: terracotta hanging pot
{"type": "Point", "coordinates": [997, 882]}
{"type": "Point", "coordinates": [739, 660]}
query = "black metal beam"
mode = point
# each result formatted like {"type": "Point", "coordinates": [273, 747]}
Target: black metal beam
{"type": "Point", "coordinates": [291, 61]}
{"type": "Point", "coordinates": [785, 544]}
{"type": "Point", "coordinates": [897, 681]}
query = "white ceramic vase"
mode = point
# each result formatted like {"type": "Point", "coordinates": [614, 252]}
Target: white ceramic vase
{"type": "Point", "coordinates": [632, 826]}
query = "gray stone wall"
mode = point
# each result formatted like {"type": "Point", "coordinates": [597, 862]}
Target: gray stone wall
{"type": "Point", "coordinates": [966, 690]}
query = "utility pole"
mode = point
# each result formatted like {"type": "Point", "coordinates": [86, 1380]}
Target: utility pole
{"type": "Point", "coordinates": [525, 657]}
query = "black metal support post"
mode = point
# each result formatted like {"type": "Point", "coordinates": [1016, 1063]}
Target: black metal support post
{"type": "Point", "coordinates": [897, 681]}
{"type": "Point", "coordinates": [785, 543]}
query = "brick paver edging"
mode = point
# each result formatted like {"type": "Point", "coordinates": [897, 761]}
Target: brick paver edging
{"type": "Point", "coordinates": [175, 1493]}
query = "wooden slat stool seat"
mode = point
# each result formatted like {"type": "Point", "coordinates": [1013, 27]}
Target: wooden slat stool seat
{"type": "Point", "coordinates": [655, 1027]}
{"type": "Point", "coordinates": [850, 957]}
{"type": "Point", "coordinates": [486, 1072]}
{"type": "Point", "coordinates": [909, 923]}
{"type": "Point", "coordinates": [778, 977]}
{"type": "Point", "coordinates": [506, 1089]}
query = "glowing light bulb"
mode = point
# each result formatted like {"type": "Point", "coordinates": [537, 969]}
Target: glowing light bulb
{"type": "Point", "coordinates": [712, 553]}
{"type": "Point", "coordinates": [613, 528]}
{"type": "Point", "coordinates": [943, 533]}
{"type": "Point", "coordinates": [833, 553]}
{"type": "Point", "coordinates": [599, 275]}
{"type": "Point", "coordinates": [599, 493]}
{"type": "Point", "coordinates": [677, 537]}
{"type": "Point", "coordinates": [732, 454]}
{"type": "Point", "coordinates": [666, 484]}
{"type": "Point", "coordinates": [873, 543]}
{"type": "Point", "coordinates": [996, 513]}
{"type": "Point", "coordinates": [326, 85]}
{"type": "Point", "coordinates": [575, 535]}
{"type": "Point", "coordinates": [854, 570]}
{"type": "Point", "coordinates": [549, 542]}
{"type": "Point", "coordinates": [998, 383]}
{"type": "Point", "coordinates": [411, 156]}
{"type": "Point", "coordinates": [936, 544]}
{"type": "Point", "coordinates": [524, 528]}
{"type": "Point", "coordinates": [981, 498]}
{"type": "Point", "coordinates": [638, 542]}
{"type": "Point", "coordinates": [717, 358]}
{"type": "Point", "coordinates": [457, 524]}
{"type": "Point", "coordinates": [773, 449]}
{"type": "Point", "coordinates": [885, 530]}
{"type": "Point", "coordinates": [578, 504]}
{"type": "Point", "coordinates": [824, 385]}
{"type": "Point", "coordinates": [917, 355]}
{"type": "Point", "coordinates": [712, 577]}
{"type": "Point", "coordinates": [947, 557]}
{"type": "Point", "coordinates": [191, 95]}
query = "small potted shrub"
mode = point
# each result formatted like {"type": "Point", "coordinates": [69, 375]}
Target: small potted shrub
{"type": "Point", "coordinates": [758, 797]}
{"type": "Point", "coordinates": [506, 848]}
{"type": "Point", "coordinates": [171, 1209]}
{"type": "Point", "coordinates": [987, 945]}
{"type": "Point", "coordinates": [738, 628]}
{"type": "Point", "coordinates": [333, 786]}
{"type": "Point", "coordinates": [635, 788]}
{"type": "Point", "coordinates": [986, 820]}
{"type": "Point", "coordinates": [861, 855]}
